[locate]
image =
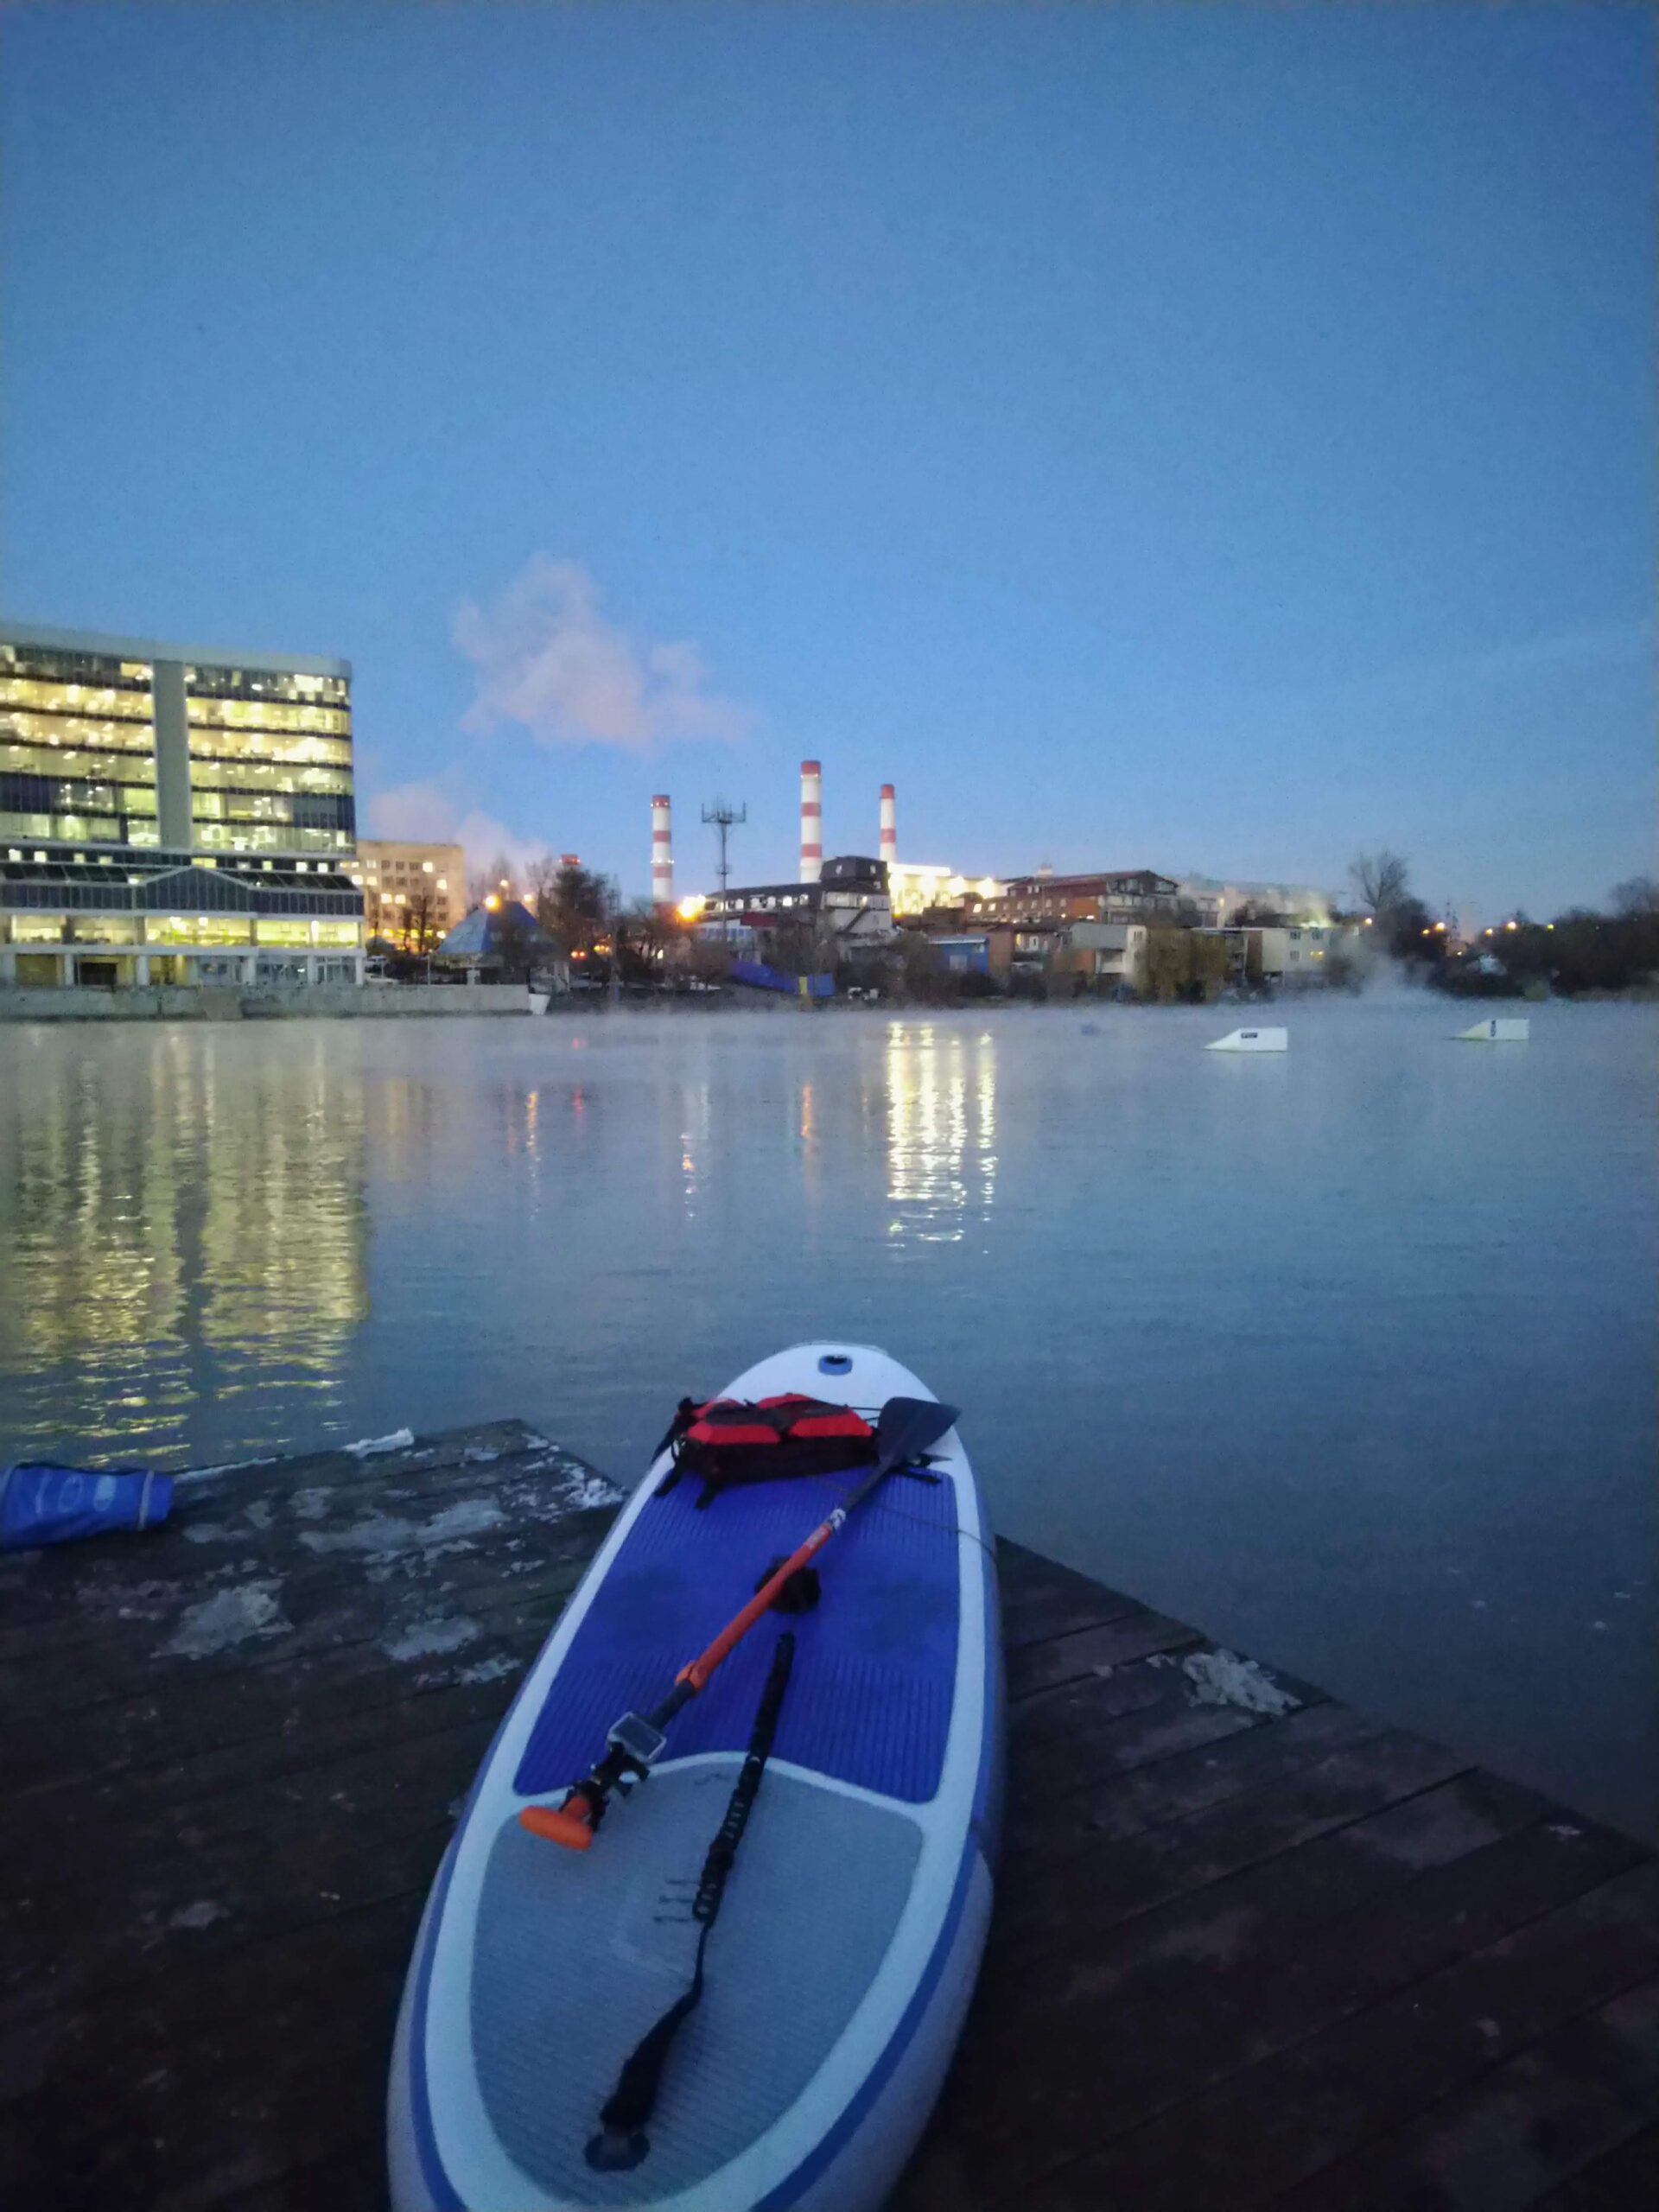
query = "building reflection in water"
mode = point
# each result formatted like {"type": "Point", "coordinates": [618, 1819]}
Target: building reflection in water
{"type": "Point", "coordinates": [941, 1098]}
{"type": "Point", "coordinates": [191, 1232]}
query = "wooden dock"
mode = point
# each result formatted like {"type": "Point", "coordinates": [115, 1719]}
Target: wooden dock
{"type": "Point", "coordinates": [1250, 1947]}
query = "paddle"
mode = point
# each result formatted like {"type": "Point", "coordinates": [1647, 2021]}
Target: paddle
{"type": "Point", "coordinates": [905, 1429]}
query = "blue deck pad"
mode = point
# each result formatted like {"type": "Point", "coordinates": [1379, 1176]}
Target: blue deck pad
{"type": "Point", "coordinates": [870, 1697]}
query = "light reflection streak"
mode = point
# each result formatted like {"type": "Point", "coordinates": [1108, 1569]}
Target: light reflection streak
{"type": "Point", "coordinates": [176, 1237]}
{"type": "Point", "coordinates": [941, 1103]}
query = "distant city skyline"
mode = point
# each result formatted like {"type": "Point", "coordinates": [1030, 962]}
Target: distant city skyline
{"type": "Point", "coordinates": [1212, 441]}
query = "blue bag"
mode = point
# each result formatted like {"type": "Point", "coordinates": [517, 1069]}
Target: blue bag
{"type": "Point", "coordinates": [59, 1505]}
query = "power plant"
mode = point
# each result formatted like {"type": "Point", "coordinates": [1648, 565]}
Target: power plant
{"type": "Point", "coordinates": [662, 855]}
{"type": "Point", "coordinates": [811, 822]}
{"type": "Point", "coordinates": [724, 818]}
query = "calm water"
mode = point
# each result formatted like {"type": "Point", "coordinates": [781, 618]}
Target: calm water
{"type": "Point", "coordinates": [1347, 1357]}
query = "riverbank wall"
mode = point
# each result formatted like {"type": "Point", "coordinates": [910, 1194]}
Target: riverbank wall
{"type": "Point", "coordinates": [269, 1002]}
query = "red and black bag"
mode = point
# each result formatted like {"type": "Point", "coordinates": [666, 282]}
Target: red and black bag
{"type": "Point", "coordinates": [728, 1441]}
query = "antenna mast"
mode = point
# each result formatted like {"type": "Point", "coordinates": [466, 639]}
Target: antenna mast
{"type": "Point", "coordinates": [725, 818]}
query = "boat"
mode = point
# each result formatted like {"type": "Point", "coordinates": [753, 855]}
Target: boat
{"type": "Point", "coordinates": [1496, 1030]}
{"type": "Point", "coordinates": [851, 1924]}
{"type": "Point", "coordinates": [1252, 1040]}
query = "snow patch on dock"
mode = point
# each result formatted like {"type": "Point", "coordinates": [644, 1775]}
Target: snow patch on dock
{"type": "Point", "coordinates": [367, 1447]}
{"type": "Point", "coordinates": [228, 1617]}
{"type": "Point", "coordinates": [202, 1914]}
{"type": "Point", "coordinates": [426, 1639]}
{"type": "Point", "coordinates": [1222, 1678]}
{"type": "Point", "coordinates": [381, 1535]}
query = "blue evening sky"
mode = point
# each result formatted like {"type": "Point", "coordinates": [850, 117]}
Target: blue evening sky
{"type": "Point", "coordinates": [1198, 437]}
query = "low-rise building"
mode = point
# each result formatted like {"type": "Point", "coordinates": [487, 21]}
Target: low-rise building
{"type": "Point", "coordinates": [850, 897]}
{"type": "Point", "coordinates": [413, 895]}
{"type": "Point", "coordinates": [1291, 957]}
{"type": "Point", "coordinates": [1219, 904]}
{"type": "Point", "coordinates": [913, 889]}
{"type": "Point", "coordinates": [1127, 895]}
{"type": "Point", "coordinates": [175, 814]}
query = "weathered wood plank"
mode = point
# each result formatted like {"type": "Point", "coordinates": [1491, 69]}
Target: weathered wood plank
{"type": "Point", "coordinates": [1085, 1652]}
{"type": "Point", "coordinates": [296, 2030]}
{"type": "Point", "coordinates": [41, 1591]}
{"type": "Point", "coordinates": [1041, 1598]}
{"type": "Point", "coordinates": [1178, 1995]}
{"type": "Point", "coordinates": [1618, 2181]}
{"type": "Point", "coordinates": [1125, 1800]}
{"type": "Point", "coordinates": [1276, 2124]}
{"type": "Point", "coordinates": [137, 1623]}
{"type": "Point", "coordinates": [1068, 1899]}
{"type": "Point", "coordinates": [1551, 2112]}
{"type": "Point", "coordinates": [337, 1648]}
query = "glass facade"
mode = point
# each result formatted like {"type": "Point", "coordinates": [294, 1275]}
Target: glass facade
{"type": "Point", "coordinates": [77, 747]}
{"type": "Point", "coordinates": [136, 780]}
{"type": "Point", "coordinates": [271, 761]}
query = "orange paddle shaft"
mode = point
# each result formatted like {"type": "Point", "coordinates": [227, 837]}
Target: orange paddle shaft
{"type": "Point", "coordinates": [738, 1627]}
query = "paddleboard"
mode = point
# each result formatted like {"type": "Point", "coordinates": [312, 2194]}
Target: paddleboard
{"type": "Point", "coordinates": [840, 1968]}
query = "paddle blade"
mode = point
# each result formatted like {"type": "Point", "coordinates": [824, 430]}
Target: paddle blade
{"type": "Point", "coordinates": [906, 1427]}
{"type": "Point", "coordinates": [570, 1829]}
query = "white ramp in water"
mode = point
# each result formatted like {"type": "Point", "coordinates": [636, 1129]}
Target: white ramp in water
{"type": "Point", "coordinates": [1495, 1032]}
{"type": "Point", "coordinates": [1252, 1040]}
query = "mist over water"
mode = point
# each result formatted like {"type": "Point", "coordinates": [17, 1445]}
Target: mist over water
{"type": "Point", "coordinates": [1346, 1356]}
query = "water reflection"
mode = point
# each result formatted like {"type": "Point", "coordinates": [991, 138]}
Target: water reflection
{"type": "Point", "coordinates": [178, 1237]}
{"type": "Point", "coordinates": [941, 1097]}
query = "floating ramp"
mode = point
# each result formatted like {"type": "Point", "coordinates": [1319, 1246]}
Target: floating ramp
{"type": "Point", "coordinates": [1495, 1032]}
{"type": "Point", "coordinates": [1252, 1040]}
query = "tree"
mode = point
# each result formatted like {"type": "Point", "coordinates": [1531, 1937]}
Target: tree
{"type": "Point", "coordinates": [420, 927]}
{"type": "Point", "coordinates": [1410, 931]}
{"type": "Point", "coordinates": [1636, 895]}
{"type": "Point", "coordinates": [482, 883]}
{"type": "Point", "coordinates": [572, 904]}
{"type": "Point", "coordinates": [643, 938]}
{"type": "Point", "coordinates": [1189, 964]}
{"type": "Point", "coordinates": [1382, 880]}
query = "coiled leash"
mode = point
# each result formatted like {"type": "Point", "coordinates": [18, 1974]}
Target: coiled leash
{"type": "Point", "coordinates": [622, 2142]}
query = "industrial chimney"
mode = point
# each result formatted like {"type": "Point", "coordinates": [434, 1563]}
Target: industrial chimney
{"type": "Point", "coordinates": [889, 830]}
{"type": "Point", "coordinates": [662, 855]}
{"type": "Point", "coordinates": [811, 822]}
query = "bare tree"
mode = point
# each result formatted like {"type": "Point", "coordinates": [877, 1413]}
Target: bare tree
{"type": "Point", "coordinates": [1380, 879]}
{"type": "Point", "coordinates": [421, 928]}
{"type": "Point", "coordinates": [485, 883]}
{"type": "Point", "coordinates": [1636, 895]}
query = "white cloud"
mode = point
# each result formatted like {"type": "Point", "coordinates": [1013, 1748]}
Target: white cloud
{"type": "Point", "coordinates": [544, 657]}
{"type": "Point", "coordinates": [425, 813]}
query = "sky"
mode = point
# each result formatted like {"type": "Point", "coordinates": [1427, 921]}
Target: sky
{"type": "Point", "coordinates": [1214, 439]}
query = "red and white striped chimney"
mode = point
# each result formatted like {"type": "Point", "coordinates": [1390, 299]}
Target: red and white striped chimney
{"type": "Point", "coordinates": [811, 822]}
{"type": "Point", "coordinates": [662, 855]}
{"type": "Point", "coordinates": [889, 830]}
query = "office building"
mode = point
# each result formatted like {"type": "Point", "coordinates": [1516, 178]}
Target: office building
{"type": "Point", "coordinates": [413, 895]}
{"type": "Point", "coordinates": [174, 814]}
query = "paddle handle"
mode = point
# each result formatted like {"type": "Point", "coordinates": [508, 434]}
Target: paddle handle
{"type": "Point", "coordinates": [574, 1830]}
{"type": "Point", "coordinates": [697, 1674]}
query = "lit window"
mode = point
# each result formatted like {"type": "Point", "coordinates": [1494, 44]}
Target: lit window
{"type": "Point", "coordinates": [426, 867]}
